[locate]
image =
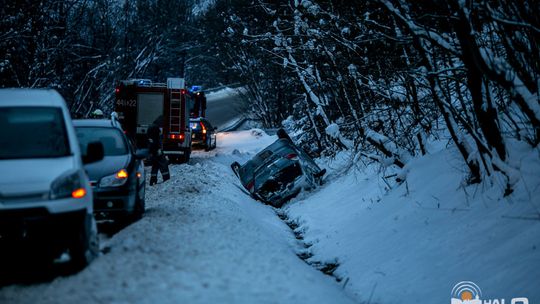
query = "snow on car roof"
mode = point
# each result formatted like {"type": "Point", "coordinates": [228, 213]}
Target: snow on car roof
{"type": "Point", "coordinates": [30, 97]}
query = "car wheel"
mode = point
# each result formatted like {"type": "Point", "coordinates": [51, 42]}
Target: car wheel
{"type": "Point", "coordinates": [85, 245]}
{"type": "Point", "coordinates": [282, 134]}
{"type": "Point", "coordinates": [236, 168]}
{"type": "Point", "coordinates": [208, 143]}
{"type": "Point", "coordinates": [140, 205]}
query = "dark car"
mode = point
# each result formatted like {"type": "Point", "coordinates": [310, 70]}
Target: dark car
{"type": "Point", "coordinates": [118, 181]}
{"type": "Point", "coordinates": [279, 172]}
{"type": "Point", "coordinates": [203, 134]}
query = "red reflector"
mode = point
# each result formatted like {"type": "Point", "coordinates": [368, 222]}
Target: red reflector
{"type": "Point", "coordinates": [291, 156]}
{"type": "Point", "coordinates": [79, 193]}
{"type": "Point", "coordinates": [176, 136]}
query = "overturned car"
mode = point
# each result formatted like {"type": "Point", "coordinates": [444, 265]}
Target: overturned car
{"type": "Point", "coordinates": [279, 172]}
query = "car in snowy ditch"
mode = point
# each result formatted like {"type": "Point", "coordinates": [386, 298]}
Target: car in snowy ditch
{"type": "Point", "coordinates": [45, 195]}
{"type": "Point", "coordinates": [118, 180]}
{"type": "Point", "coordinates": [279, 172]}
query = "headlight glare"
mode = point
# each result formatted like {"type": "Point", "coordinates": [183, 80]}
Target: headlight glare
{"type": "Point", "coordinates": [114, 180]}
{"type": "Point", "coordinates": [67, 185]}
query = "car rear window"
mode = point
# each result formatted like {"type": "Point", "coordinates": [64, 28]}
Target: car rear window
{"type": "Point", "coordinates": [112, 139]}
{"type": "Point", "coordinates": [32, 132]}
{"type": "Point", "coordinates": [195, 125]}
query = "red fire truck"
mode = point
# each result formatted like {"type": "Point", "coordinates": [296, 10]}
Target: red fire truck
{"type": "Point", "coordinates": [141, 102]}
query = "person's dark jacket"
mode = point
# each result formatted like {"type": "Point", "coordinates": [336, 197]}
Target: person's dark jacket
{"type": "Point", "coordinates": [154, 139]}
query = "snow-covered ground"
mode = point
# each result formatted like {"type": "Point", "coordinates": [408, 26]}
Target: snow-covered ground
{"type": "Point", "coordinates": [415, 242]}
{"type": "Point", "coordinates": [202, 240]}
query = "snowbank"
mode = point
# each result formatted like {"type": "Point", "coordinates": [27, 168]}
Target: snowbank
{"type": "Point", "coordinates": [422, 237]}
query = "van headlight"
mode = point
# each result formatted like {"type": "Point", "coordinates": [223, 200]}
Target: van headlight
{"type": "Point", "coordinates": [115, 180]}
{"type": "Point", "coordinates": [67, 185]}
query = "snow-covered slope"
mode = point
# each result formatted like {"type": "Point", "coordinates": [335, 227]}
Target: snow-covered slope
{"type": "Point", "coordinates": [424, 236]}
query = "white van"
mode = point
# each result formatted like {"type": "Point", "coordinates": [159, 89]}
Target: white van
{"type": "Point", "coordinates": [45, 195]}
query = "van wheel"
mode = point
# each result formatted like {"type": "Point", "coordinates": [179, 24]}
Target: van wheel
{"type": "Point", "coordinates": [85, 246]}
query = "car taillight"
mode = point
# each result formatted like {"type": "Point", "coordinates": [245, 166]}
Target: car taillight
{"type": "Point", "coordinates": [78, 193]}
{"type": "Point", "coordinates": [250, 185]}
{"type": "Point", "coordinates": [291, 156]}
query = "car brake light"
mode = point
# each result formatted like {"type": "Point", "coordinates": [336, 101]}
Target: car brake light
{"type": "Point", "coordinates": [183, 91]}
{"type": "Point", "coordinates": [176, 136]}
{"type": "Point", "coordinates": [291, 156]}
{"type": "Point", "coordinates": [122, 174]}
{"type": "Point", "coordinates": [78, 193]}
{"type": "Point", "coordinates": [250, 185]}
{"type": "Point", "coordinates": [117, 90]}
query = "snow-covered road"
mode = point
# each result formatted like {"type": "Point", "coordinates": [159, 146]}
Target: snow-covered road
{"type": "Point", "coordinates": [202, 240]}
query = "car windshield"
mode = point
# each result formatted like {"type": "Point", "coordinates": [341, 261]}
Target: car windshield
{"type": "Point", "coordinates": [32, 132]}
{"type": "Point", "coordinates": [111, 138]}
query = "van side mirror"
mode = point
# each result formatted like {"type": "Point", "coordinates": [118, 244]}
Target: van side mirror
{"type": "Point", "coordinates": [94, 152]}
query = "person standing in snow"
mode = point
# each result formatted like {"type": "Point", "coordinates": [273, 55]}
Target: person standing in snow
{"type": "Point", "coordinates": [157, 158]}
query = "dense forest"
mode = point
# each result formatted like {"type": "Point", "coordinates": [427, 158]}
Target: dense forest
{"type": "Point", "coordinates": [384, 78]}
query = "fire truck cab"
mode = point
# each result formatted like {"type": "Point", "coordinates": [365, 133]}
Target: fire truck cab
{"type": "Point", "coordinates": [141, 102]}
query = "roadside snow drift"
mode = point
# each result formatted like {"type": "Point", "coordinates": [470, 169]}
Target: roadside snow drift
{"type": "Point", "coordinates": [415, 242]}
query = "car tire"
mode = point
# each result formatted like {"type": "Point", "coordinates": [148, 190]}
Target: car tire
{"type": "Point", "coordinates": [140, 204]}
{"type": "Point", "coordinates": [283, 134]}
{"type": "Point", "coordinates": [236, 168]}
{"type": "Point", "coordinates": [208, 144]}
{"type": "Point", "coordinates": [85, 245]}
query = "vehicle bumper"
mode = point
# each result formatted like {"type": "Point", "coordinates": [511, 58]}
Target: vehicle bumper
{"type": "Point", "coordinates": [25, 230]}
{"type": "Point", "coordinates": [113, 203]}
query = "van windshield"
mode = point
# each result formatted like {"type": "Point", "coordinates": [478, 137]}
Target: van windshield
{"type": "Point", "coordinates": [32, 132]}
